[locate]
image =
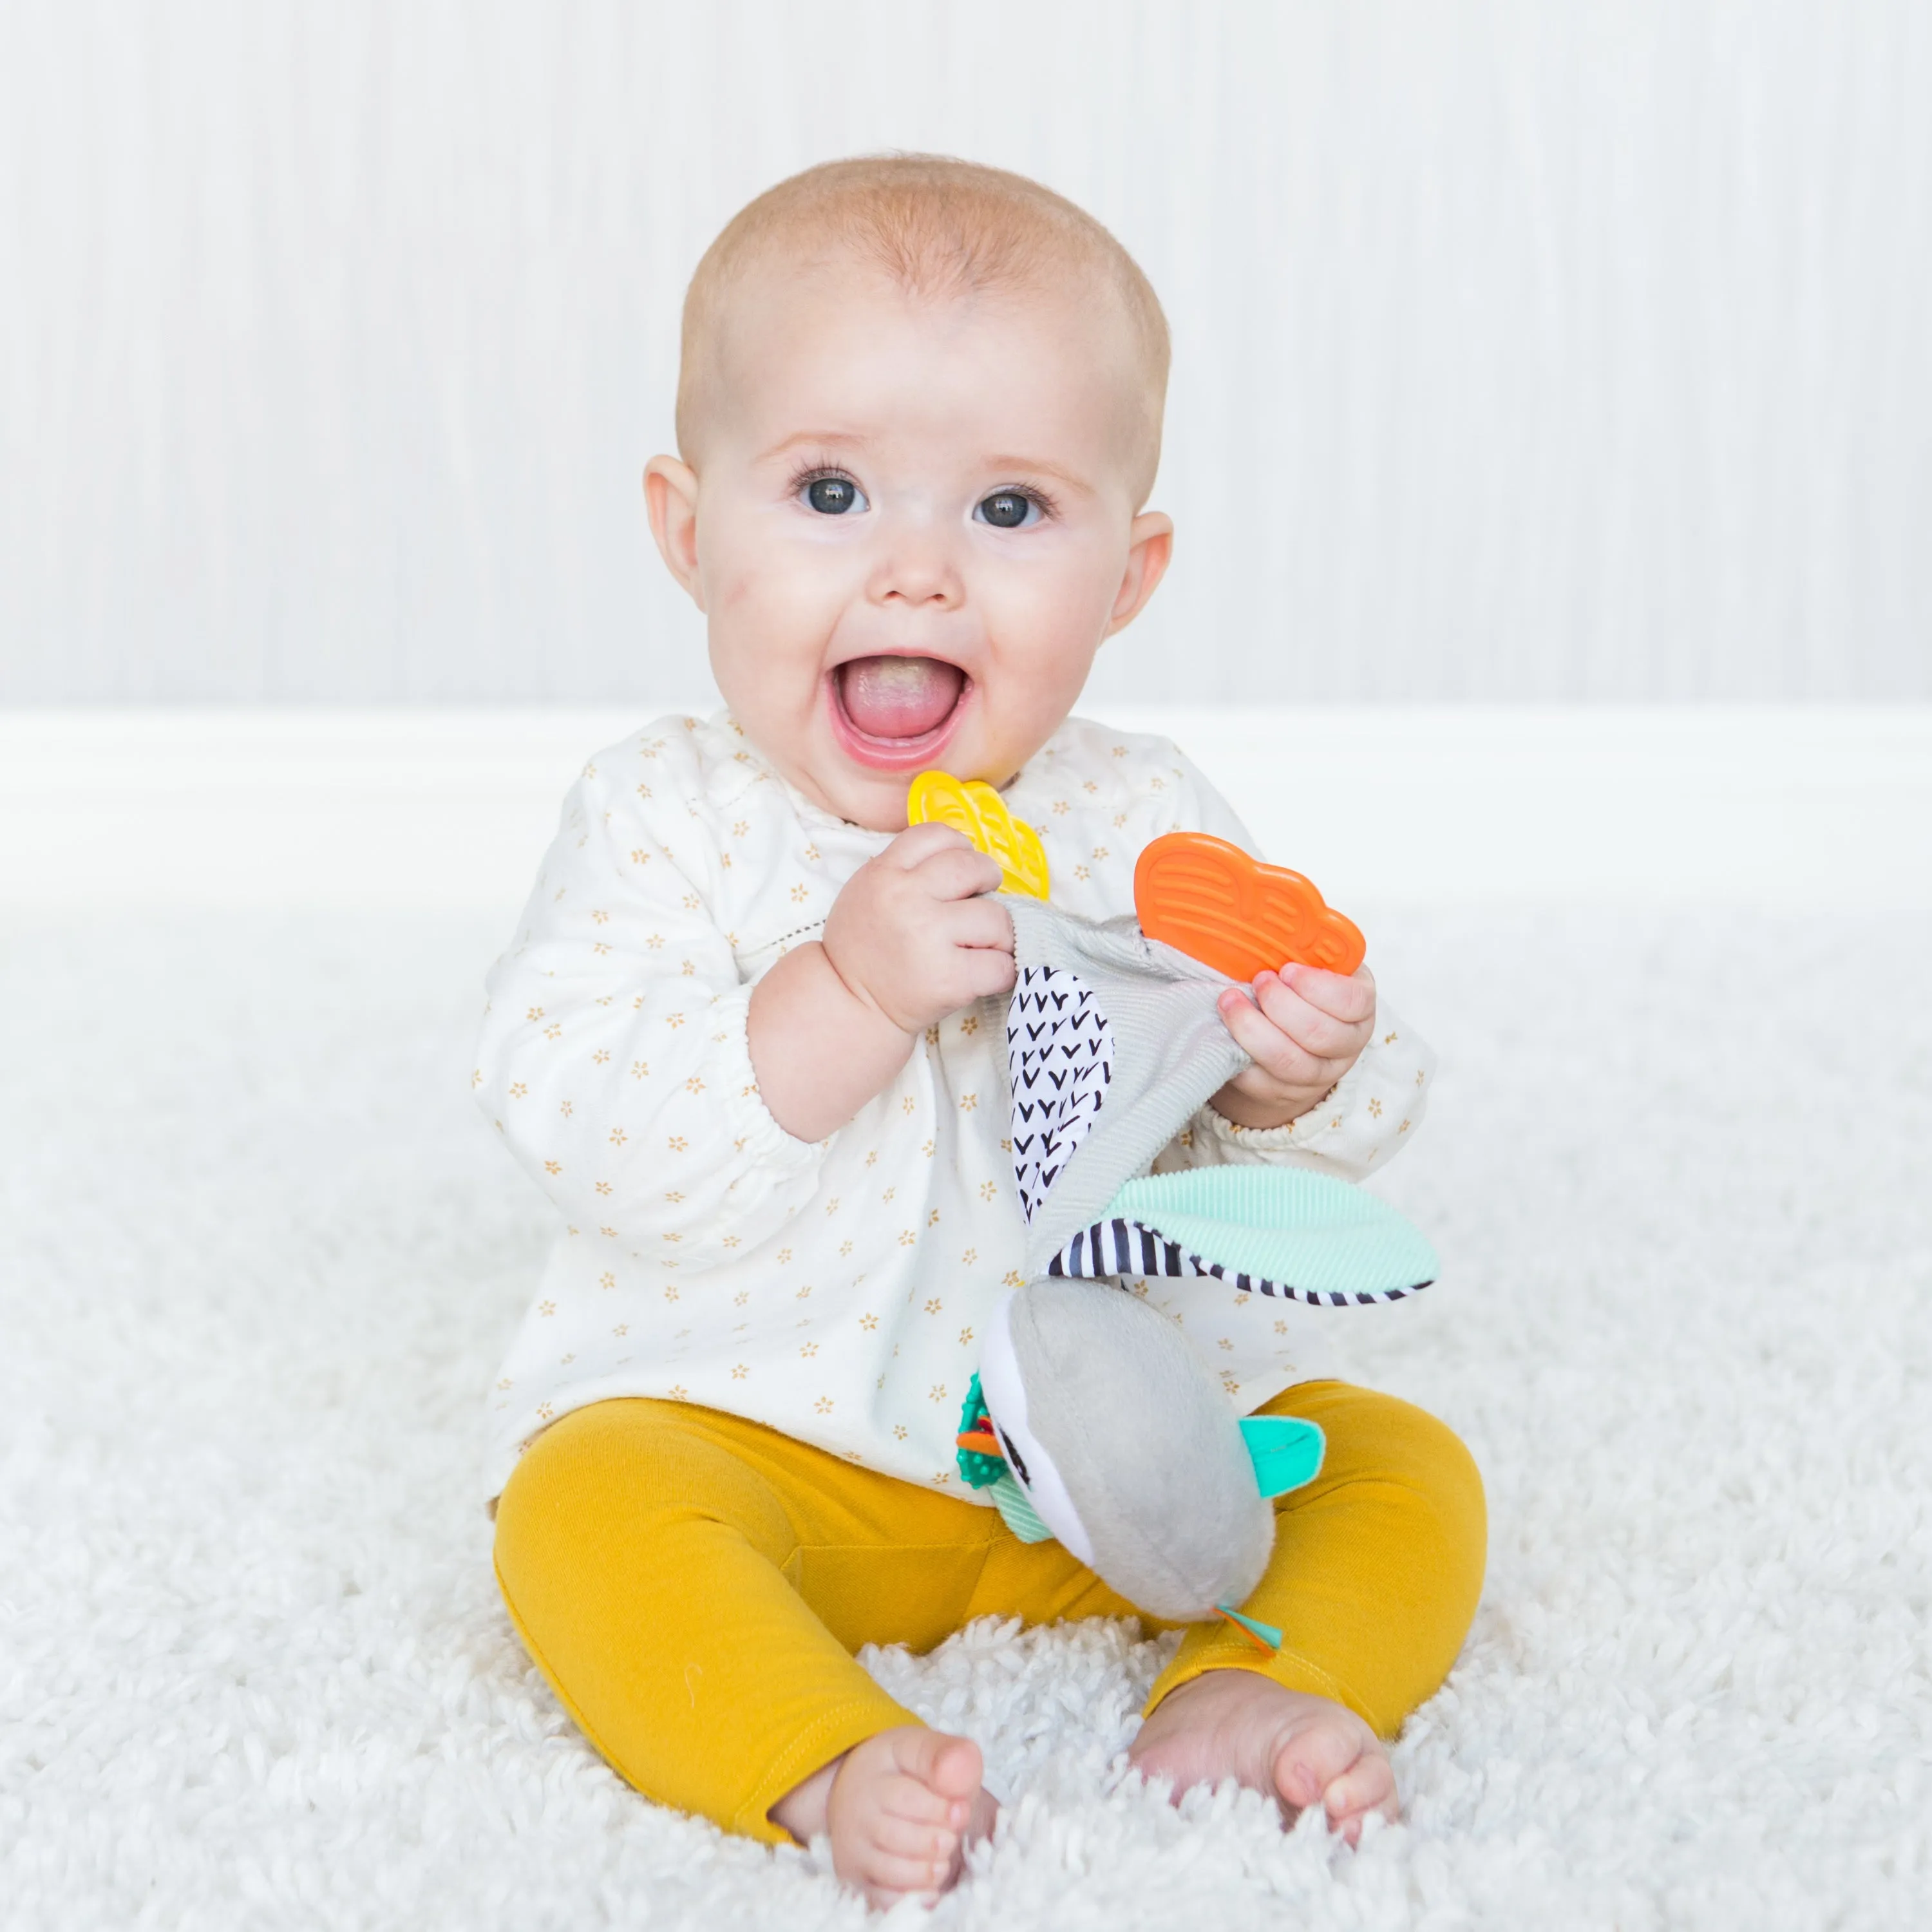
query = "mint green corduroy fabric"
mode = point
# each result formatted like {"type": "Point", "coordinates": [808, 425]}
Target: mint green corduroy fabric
{"type": "Point", "coordinates": [1283, 1225]}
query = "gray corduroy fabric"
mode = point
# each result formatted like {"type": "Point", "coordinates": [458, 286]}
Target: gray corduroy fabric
{"type": "Point", "coordinates": [1170, 1052]}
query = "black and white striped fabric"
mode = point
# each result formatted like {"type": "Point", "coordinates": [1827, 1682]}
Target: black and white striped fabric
{"type": "Point", "coordinates": [1059, 1059]}
{"type": "Point", "coordinates": [1130, 1250]}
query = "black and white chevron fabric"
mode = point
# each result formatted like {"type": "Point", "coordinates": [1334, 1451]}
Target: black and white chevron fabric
{"type": "Point", "coordinates": [1131, 1250]}
{"type": "Point", "coordinates": [1059, 1059]}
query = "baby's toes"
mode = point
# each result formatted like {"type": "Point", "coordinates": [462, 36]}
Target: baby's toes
{"type": "Point", "coordinates": [926, 1845]}
{"type": "Point", "coordinates": [1314, 1758]}
{"type": "Point", "coordinates": [1368, 1785]}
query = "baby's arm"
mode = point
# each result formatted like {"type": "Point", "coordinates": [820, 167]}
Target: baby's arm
{"type": "Point", "coordinates": [911, 938]}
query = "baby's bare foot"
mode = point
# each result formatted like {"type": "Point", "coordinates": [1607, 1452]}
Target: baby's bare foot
{"type": "Point", "coordinates": [900, 1808]}
{"type": "Point", "coordinates": [1299, 1748]}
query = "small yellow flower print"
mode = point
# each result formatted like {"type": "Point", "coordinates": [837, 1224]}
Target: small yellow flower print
{"type": "Point", "coordinates": [678, 1144]}
{"type": "Point", "coordinates": [679, 1392]}
{"type": "Point", "coordinates": [1374, 1108]}
{"type": "Point", "coordinates": [691, 901]}
{"type": "Point", "coordinates": [1060, 807]}
{"type": "Point", "coordinates": [1012, 1278]}
{"type": "Point", "coordinates": [739, 1300]}
{"type": "Point", "coordinates": [872, 1158]}
{"type": "Point", "coordinates": [729, 1241]}
{"type": "Point", "coordinates": [1227, 1345]}
{"type": "Point", "coordinates": [606, 1281]}
{"type": "Point", "coordinates": [1088, 785]}
{"type": "Point", "coordinates": [831, 1206]}
{"type": "Point", "coordinates": [565, 1361]}
{"type": "Point", "coordinates": [602, 918]}
{"type": "Point", "coordinates": [934, 1305]}
{"type": "Point", "coordinates": [603, 1187]}
{"type": "Point", "coordinates": [899, 1428]}
{"type": "Point", "coordinates": [739, 1371]}
{"type": "Point", "coordinates": [1100, 851]}
{"type": "Point", "coordinates": [553, 1031]}
{"type": "Point", "coordinates": [928, 1148]}
{"type": "Point", "coordinates": [553, 1167]}
{"type": "Point", "coordinates": [1281, 1327]}
{"type": "Point", "coordinates": [1230, 1382]}
{"type": "Point", "coordinates": [618, 1137]}
{"type": "Point", "coordinates": [799, 895]}
{"type": "Point", "coordinates": [868, 1322]}
{"type": "Point", "coordinates": [610, 1235]}
{"type": "Point", "coordinates": [1389, 1039]}
{"type": "Point", "coordinates": [1403, 1128]}
{"type": "Point", "coordinates": [694, 1085]}
{"type": "Point", "coordinates": [969, 1256]}
{"type": "Point", "coordinates": [639, 857]}
{"type": "Point", "coordinates": [644, 790]}
{"type": "Point", "coordinates": [504, 1383]}
{"type": "Point", "coordinates": [932, 1219]}
{"type": "Point", "coordinates": [535, 1013]}
{"type": "Point", "coordinates": [906, 1237]}
{"type": "Point", "coordinates": [965, 1336]}
{"type": "Point", "coordinates": [1081, 872]}
{"type": "Point", "coordinates": [654, 942]}
{"type": "Point", "coordinates": [673, 1196]}
{"type": "Point", "coordinates": [673, 1020]}
{"type": "Point", "coordinates": [823, 1405]}
{"type": "Point", "coordinates": [476, 1079]}
{"type": "Point", "coordinates": [808, 1350]}
{"type": "Point", "coordinates": [546, 1308]}
{"type": "Point", "coordinates": [888, 1194]}
{"type": "Point", "coordinates": [804, 1292]}
{"type": "Point", "coordinates": [936, 1393]}
{"type": "Point", "coordinates": [987, 1189]}
{"type": "Point", "coordinates": [844, 1247]}
{"type": "Point", "coordinates": [600, 1057]}
{"type": "Point", "coordinates": [784, 1255]}
{"type": "Point", "coordinates": [812, 853]}
{"type": "Point", "coordinates": [545, 1410]}
{"type": "Point", "coordinates": [968, 1102]}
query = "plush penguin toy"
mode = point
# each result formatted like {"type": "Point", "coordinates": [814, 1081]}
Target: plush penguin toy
{"type": "Point", "coordinates": [1094, 1418]}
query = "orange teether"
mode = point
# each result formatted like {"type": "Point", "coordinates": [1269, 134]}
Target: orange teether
{"type": "Point", "coordinates": [1208, 898]}
{"type": "Point", "coordinates": [974, 808]}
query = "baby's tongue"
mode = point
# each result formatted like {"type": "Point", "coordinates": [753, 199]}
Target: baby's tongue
{"type": "Point", "coordinates": [898, 698]}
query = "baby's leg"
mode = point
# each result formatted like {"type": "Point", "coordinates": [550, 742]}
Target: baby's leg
{"type": "Point", "coordinates": [693, 1585]}
{"type": "Point", "coordinates": [1374, 1580]}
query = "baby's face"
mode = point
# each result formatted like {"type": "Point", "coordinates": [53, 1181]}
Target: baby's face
{"type": "Point", "coordinates": [912, 524]}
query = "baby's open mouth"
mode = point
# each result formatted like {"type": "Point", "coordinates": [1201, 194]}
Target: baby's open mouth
{"type": "Point", "coordinates": [896, 711]}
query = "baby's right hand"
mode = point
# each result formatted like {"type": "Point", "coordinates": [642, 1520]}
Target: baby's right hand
{"type": "Point", "coordinates": [914, 933]}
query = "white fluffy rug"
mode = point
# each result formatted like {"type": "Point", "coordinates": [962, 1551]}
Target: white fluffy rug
{"type": "Point", "coordinates": [259, 1260]}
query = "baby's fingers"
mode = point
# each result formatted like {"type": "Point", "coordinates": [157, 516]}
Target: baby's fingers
{"type": "Point", "coordinates": [1312, 1029]}
{"type": "Point", "coordinates": [1268, 1045]}
{"type": "Point", "coordinates": [1351, 1000]}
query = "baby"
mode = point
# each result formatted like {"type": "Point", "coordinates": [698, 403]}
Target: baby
{"type": "Point", "coordinates": [749, 1041]}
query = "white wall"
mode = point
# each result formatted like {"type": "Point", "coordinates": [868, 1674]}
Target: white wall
{"type": "Point", "coordinates": [1541, 351]}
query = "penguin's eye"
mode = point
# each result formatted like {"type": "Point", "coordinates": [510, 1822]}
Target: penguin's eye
{"type": "Point", "coordinates": [1009, 509]}
{"type": "Point", "coordinates": [832, 495]}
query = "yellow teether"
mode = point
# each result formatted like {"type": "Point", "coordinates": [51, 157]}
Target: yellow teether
{"type": "Point", "coordinates": [938, 798]}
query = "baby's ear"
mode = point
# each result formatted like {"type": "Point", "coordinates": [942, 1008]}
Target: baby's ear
{"type": "Point", "coordinates": [670, 496]}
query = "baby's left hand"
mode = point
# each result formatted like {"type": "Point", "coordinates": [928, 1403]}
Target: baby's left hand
{"type": "Point", "coordinates": [1304, 1029]}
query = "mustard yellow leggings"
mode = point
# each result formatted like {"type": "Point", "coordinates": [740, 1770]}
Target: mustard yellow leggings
{"type": "Point", "coordinates": [693, 1586]}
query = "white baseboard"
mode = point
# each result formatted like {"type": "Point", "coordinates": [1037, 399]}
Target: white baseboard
{"type": "Point", "coordinates": [1766, 808]}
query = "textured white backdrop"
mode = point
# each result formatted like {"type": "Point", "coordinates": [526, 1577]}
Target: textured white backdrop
{"type": "Point", "coordinates": [1524, 352]}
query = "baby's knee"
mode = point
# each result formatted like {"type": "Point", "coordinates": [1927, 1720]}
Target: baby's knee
{"type": "Point", "coordinates": [621, 1469]}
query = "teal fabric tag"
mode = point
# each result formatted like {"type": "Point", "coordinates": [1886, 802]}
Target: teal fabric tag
{"type": "Point", "coordinates": [1283, 1225]}
{"type": "Point", "coordinates": [1286, 1453]}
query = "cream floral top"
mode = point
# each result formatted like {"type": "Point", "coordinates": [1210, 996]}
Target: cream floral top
{"type": "Point", "coordinates": [835, 1290]}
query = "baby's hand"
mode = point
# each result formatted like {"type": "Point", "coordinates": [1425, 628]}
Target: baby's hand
{"type": "Point", "coordinates": [914, 934]}
{"type": "Point", "coordinates": [1304, 1029]}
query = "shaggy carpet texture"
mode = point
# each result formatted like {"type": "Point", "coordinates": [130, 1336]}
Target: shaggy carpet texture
{"type": "Point", "coordinates": [258, 1259]}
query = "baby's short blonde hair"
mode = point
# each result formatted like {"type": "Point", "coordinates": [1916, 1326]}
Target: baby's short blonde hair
{"type": "Point", "coordinates": [938, 227]}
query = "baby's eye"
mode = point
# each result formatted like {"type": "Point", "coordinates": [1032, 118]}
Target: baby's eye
{"type": "Point", "coordinates": [833, 496]}
{"type": "Point", "coordinates": [1008, 509]}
